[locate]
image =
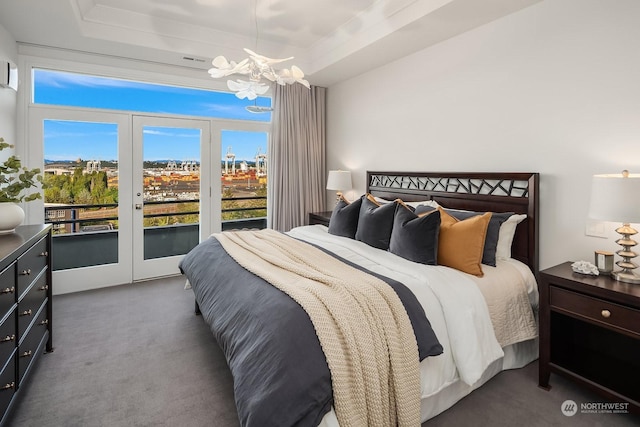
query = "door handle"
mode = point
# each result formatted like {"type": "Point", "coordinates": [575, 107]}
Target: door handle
{"type": "Point", "coordinates": [138, 206]}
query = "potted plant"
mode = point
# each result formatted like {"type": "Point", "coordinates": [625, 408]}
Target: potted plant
{"type": "Point", "coordinates": [14, 180]}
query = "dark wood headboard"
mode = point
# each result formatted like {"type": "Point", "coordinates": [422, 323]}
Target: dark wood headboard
{"type": "Point", "coordinates": [477, 191]}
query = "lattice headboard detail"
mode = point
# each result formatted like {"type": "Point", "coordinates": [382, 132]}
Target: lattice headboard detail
{"type": "Point", "coordinates": [478, 191]}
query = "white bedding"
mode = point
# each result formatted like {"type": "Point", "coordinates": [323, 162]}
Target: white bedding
{"type": "Point", "coordinates": [452, 301]}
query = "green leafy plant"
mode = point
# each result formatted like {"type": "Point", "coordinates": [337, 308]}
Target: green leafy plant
{"type": "Point", "coordinates": [15, 179]}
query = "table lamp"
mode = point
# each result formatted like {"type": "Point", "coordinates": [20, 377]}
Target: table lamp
{"type": "Point", "coordinates": [616, 197]}
{"type": "Point", "coordinates": [339, 181]}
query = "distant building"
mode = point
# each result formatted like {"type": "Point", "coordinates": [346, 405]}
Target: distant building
{"type": "Point", "coordinates": [189, 166]}
{"type": "Point", "coordinates": [93, 166]}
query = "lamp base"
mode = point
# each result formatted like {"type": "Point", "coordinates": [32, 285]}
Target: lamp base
{"type": "Point", "coordinates": [625, 276]}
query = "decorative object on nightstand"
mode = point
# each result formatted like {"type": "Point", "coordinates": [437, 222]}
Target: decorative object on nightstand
{"type": "Point", "coordinates": [616, 197]}
{"type": "Point", "coordinates": [339, 181]}
{"type": "Point", "coordinates": [604, 261]}
{"type": "Point", "coordinates": [585, 267]}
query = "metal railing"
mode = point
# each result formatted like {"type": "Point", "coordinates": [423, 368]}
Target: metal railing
{"type": "Point", "coordinates": [94, 240]}
{"type": "Point", "coordinates": [51, 219]}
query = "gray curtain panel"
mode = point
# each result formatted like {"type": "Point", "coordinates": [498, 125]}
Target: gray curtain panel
{"type": "Point", "coordinates": [296, 156]}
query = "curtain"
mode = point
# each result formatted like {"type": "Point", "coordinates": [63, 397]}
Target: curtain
{"type": "Point", "coordinates": [296, 156]}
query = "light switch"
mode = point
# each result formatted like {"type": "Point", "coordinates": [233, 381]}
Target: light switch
{"type": "Point", "coordinates": [595, 228]}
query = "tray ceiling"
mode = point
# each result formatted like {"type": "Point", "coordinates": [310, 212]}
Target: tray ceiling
{"type": "Point", "coordinates": [332, 40]}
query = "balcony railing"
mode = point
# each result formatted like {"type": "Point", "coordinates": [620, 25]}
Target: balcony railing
{"type": "Point", "coordinates": [86, 235]}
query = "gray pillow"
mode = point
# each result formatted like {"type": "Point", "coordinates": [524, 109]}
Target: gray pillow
{"type": "Point", "coordinates": [344, 218]}
{"type": "Point", "coordinates": [375, 223]}
{"type": "Point", "coordinates": [493, 230]}
{"type": "Point", "coordinates": [415, 237]}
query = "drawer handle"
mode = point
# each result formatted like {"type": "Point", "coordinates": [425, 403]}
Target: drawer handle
{"type": "Point", "coordinates": [26, 272]}
{"type": "Point", "coordinates": [605, 313]}
{"type": "Point", "coordinates": [45, 322]}
{"type": "Point", "coordinates": [8, 338]}
{"type": "Point", "coordinates": [8, 290]}
{"type": "Point", "coordinates": [26, 313]}
{"type": "Point", "coordinates": [8, 386]}
{"type": "Point", "coordinates": [43, 288]}
{"type": "Point", "coordinates": [26, 354]}
{"type": "Point", "coordinates": [45, 253]}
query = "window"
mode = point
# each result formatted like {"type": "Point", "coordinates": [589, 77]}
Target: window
{"type": "Point", "coordinates": [85, 91]}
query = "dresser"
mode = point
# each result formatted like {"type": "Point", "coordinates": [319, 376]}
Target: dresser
{"type": "Point", "coordinates": [25, 308]}
{"type": "Point", "coordinates": [590, 333]}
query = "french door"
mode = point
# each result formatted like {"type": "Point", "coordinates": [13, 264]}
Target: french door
{"type": "Point", "coordinates": [130, 194]}
{"type": "Point", "coordinates": [171, 192]}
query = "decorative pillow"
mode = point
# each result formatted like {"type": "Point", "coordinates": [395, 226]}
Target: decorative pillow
{"type": "Point", "coordinates": [413, 205]}
{"type": "Point", "coordinates": [493, 231]}
{"type": "Point", "coordinates": [344, 218]}
{"type": "Point", "coordinates": [430, 203]}
{"type": "Point", "coordinates": [375, 223]}
{"type": "Point", "coordinates": [507, 232]}
{"type": "Point", "coordinates": [415, 237]}
{"type": "Point", "coordinates": [461, 243]}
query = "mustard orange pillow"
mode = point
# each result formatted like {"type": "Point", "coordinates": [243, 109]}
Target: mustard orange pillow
{"type": "Point", "coordinates": [461, 243]}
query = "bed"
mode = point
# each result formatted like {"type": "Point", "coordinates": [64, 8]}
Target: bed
{"type": "Point", "coordinates": [468, 328]}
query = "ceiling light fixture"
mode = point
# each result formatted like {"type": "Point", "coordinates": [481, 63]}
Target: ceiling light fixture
{"type": "Point", "coordinates": [260, 70]}
{"type": "Point", "coordinates": [255, 108]}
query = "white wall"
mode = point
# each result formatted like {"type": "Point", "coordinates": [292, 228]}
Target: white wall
{"type": "Point", "coordinates": [554, 89]}
{"type": "Point", "coordinates": [8, 97]}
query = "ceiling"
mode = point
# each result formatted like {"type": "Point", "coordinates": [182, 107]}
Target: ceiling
{"type": "Point", "coordinates": [331, 40]}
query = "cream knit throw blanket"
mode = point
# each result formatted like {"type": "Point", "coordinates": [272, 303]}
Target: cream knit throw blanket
{"type": "Point", "coordinates": [362, 326]}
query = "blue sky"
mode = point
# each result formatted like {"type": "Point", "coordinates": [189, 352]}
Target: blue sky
{"type": "Point", "coordinates": [69, 140]}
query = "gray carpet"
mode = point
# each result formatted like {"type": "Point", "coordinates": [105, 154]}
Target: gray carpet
{"type": "Point", "coordinates": [136, 355]}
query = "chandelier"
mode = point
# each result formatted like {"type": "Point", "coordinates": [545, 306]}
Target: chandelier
{"type": "Point", "coordinates": [260, 71]}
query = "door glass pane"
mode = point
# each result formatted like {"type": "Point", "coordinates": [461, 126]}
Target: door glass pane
{"type": "Point", "coordinates": [171, 186]}
{"type": "Point", "coordinates": [244, 179]}
{"type": "Point", "coordinates": [81, 201]}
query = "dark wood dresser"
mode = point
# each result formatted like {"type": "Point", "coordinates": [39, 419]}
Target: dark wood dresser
{"type": "Point", "coordinates": [25, 307]}
{"type": "Point", "coordinates": [590, 332]}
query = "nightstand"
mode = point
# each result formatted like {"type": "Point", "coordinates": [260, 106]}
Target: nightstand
{"type": "Point", "coordinates": [321, 218]}
{"type": "Point", "coordinates": [590, 333]}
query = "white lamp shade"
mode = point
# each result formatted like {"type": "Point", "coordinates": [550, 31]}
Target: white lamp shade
{"type": "Point", "coordinates": [339, 180]}
{"type": "Point", "coordinates": [615, 198]}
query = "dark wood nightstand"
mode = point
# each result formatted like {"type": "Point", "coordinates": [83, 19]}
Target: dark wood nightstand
{"type": "Point", "coordinates": [321, 218]}
{"type": "Point", "coordinates": [590, 332]}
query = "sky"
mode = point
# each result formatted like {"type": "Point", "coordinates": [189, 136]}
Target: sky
{"type": "Point", "coordinates": [70, 140]}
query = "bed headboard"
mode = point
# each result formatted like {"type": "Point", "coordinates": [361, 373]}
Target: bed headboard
{"type": "Point", "coordinates": [477, 191]}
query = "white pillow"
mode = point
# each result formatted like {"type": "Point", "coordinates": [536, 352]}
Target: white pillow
{"type": "Point", "coordinates": [506, 234]}
{"type": "Point", "coordinates": [431, 203]}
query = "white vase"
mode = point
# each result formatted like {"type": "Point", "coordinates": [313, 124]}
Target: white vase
{"type": "Point", "coordinates": [11, 216]}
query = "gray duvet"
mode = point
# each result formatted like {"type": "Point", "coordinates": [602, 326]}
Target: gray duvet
{"type": "Point", "coordinates": [280, 374]}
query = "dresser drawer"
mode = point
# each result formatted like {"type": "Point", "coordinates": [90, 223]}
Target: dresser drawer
{"type": "Point", "coordinates": [7, 289]}
{"type": "Point", "coordinates": [29, 345]}
{"type": "Point", "coordinates": [30, 264]}
{"type": "Point", "coordinates": [29, 305]}
{"type": "Point", "coordinates": [7, 337]}
{"type": "Point", "coordinates": [614, 316]}
{"type": "Point", "coordinates": [7, 383]}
